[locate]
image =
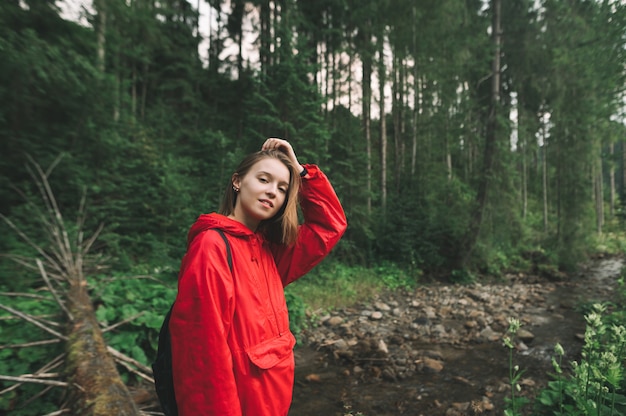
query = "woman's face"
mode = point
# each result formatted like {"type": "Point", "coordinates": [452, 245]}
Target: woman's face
{"type": "Point", "coordinates": [262, 192]}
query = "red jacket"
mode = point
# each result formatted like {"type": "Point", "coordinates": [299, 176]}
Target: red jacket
{"type": "Point", "coordinates": [232, 350]}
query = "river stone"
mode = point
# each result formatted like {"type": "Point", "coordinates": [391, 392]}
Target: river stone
{"type": "Point", "coordinates": [430, 312]}
{"type": "Point", "coordinates": [376, 316]}
{"type": "Point", "coordinates": [432, 365]}
{"type": "Point", "coordinates": [439, 329]}
{"type": "Point", "coordinates": [341, 345]}
{"type": "Point", "coordinates": [475, 313]}
{"type": "Point", "coordinates": [525, 335]}
{"type": "Point", "coordinates": [489, 334]}
{"type": "Point", "coordinates": [334, 321]}
{"type": "Point", "coordinates": [382, 306]}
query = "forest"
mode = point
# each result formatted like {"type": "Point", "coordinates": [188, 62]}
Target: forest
{"type": "Point", "coordinates": [465, 138]}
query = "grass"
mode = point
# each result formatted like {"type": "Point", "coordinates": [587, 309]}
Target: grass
{"type": "Point", "coordinates": [334, 285]}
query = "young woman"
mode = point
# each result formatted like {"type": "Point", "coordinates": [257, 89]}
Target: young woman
{"type": "Point", "coordinates": [232, 350]}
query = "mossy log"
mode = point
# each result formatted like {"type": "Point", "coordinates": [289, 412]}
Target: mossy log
{"type": "Point", "coordinates": [96, 388]}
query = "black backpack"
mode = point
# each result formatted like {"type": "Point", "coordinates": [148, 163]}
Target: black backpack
{"type": "Point", "coordinates": [162, 365]}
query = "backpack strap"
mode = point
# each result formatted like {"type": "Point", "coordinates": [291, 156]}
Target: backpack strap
{"type": "Point", "coordinates": [228, 253]}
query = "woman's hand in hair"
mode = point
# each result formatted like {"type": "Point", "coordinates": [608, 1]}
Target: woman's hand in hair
{"type": "Point", "coordinates": [285, 147]}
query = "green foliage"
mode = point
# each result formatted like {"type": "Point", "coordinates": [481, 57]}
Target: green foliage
{"type": "Point", "coordinates": [612, 243]}
{"type": "Point", "coordinates": [28, 359]}
{"type": "Point", "coordinates": [153, 134]}
{"type": "Point", "coordinates": [297, 311]}
{"type": "Point", "coordinates": [394, 277]}
{"type": "Point", "coordinates": [597, 383]}
{"type": "Point", "coordinates": [462, 276]}
{"type": "Point", "coordinates": [143, 300]}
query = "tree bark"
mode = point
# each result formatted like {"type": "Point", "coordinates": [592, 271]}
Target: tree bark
{"type": "Point", "coordinates": [612, 180]}
{"type": "Point", "coordinates": [96, 387]}
{"type": "Point", "coordinates": [366, 63]}
{"type": "Point", "coordinates": [599, 192]}
{"type": "Point", "coordinates": [101, 34]}
{"type": "Point", "coordinates": [383, 125]}
{"type": "Point", "coordinates": [544, 179]}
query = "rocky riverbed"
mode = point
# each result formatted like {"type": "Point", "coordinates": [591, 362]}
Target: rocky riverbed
{"type": "Point", "coordinates": [438, 350]}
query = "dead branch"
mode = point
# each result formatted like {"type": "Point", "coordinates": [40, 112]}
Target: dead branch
{"type": "Point", "coordinates": [56, 362]}
{"type": "Point", "coordinates": [25, 295]}
{"type": "Point", "coordinates": [32, 320]}
{"type": "Point", "coordinates": [134, 371]}
{"type": "Point", "coordinates": [58, 412]}
{"type": "Point", "coordinates": [123, 357]}
{"type": "Point", "coordinates": [30, 344]}
{"type": "Point", "coordinates": [34, 380]}
{"type": "Point", "coordinates": [43, 274]}
{"type": "Point", "coordinates": [58, 231]}
{"type": "Point", "coordinates": [24, 237]}
{"type": "Point", "coordinates": [42, 318]}
{"type": "Point", "coordinates": [129, 319]}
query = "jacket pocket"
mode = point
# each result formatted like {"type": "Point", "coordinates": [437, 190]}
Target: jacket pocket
{"type": "Point", "coordinates": [271, 352]}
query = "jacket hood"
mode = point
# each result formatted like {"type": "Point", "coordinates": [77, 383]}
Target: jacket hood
{"type": "Point", "coordinates": [215, 220]}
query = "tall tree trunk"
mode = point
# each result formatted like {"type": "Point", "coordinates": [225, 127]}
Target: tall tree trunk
{"type": "Point", "coordinates": [398, 120]}
{"type": "Point", "coordinates": [383, 125]}
{"type": "Point", "coordinates": [612, 180]}
{"type": "Point", "coordinates": [100, 6]}
{"type": "Point", "coordinates": [416, 94]}
{"type": "Point", "coordinates": [623, 173]}
{"type": "Point", "coordinates": [522, 146]}
{"type": "Point", "coordinates": [544, 177]}
{"type": "Point", "coordinates": [265, 35]}
{"type": "Point", "coordinates": [599, 198]}
{"type": "Point", "coordinates": [367, 131]}
{"type": "Point", "coordinates": [489, 153]}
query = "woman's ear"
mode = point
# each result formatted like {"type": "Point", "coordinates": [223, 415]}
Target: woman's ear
{"type": "Point", "coordinates": [236, 181]}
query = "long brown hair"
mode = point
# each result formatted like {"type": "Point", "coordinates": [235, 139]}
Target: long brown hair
{"type": "Point", "coordinates": [282, 228]}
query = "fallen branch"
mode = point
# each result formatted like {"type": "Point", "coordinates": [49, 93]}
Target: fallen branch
{"type": "Point", "coordinates": [57, 361]}
{"type": "Point", "coordinates": [41, 252]}
{"type": "Point", "coordinates": [123, 357]}
{"type": "Point", "coordinates": [34, 380]}
{"type": "Point", "coordinates": [30, 344]}
{"type": "Point", "coordinates": [43, 274]}
{"type": "Point", "coordinates": [32, 320]}
{"type": "Point", "coordinates": [134, 371]}
{"type": "Point", "coordinates": [129, 319]}
{"type": "Point", "coordinates": [58, 412]}
{"type": "Point", "coordinates": [25, 295]}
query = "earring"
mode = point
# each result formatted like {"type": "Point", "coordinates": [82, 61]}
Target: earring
{"type": "Point", "coordinates": [235, 189]}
